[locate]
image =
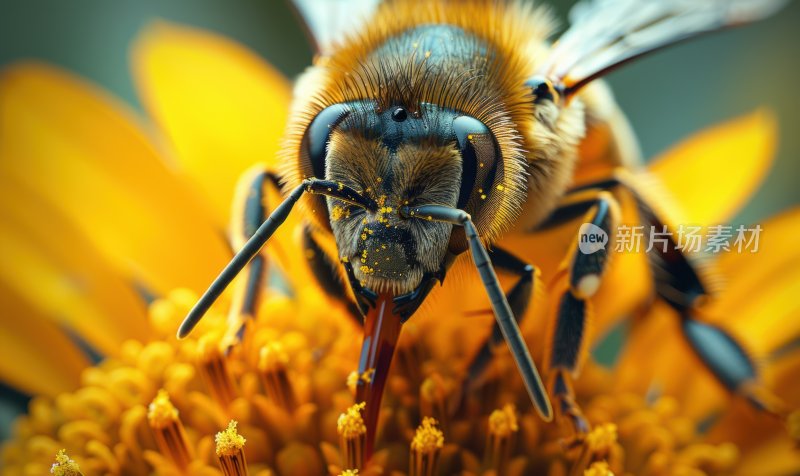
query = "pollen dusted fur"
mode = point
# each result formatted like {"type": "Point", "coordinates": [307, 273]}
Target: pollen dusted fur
{"type": "Point", "coordinates": [398, 59]}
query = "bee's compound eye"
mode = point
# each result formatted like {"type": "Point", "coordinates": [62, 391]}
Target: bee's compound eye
{"type": "Point", "coordinates": [318, 134]}
{"type": "Point", "coordinates": [399, 115]}
{"type": "Point", "coordinates": [479, 157]}
{"type": "Point", "coordinates": [542, 89]}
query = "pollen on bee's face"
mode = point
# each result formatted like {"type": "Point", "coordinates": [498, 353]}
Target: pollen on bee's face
{"type": "Point", "coordinates": [387, 251]}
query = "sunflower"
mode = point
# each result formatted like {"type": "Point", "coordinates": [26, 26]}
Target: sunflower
{"type": "Point", "coordinates": [112, 225]}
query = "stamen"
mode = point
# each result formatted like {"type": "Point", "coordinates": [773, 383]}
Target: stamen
{"type": "Point", "coordinates": [601, 439]}
{"type": "Point", "coordinates": [598, 468]}
{"type": "Point", "coordinates": [502, 428]}
{"type": "Point", "coordinates": [433, 398]}
{"type": "Point", "coordinates": [349, 472]}
{"type": "Point", "coordinates": [214, 370]}
{"type": "Point", "coordinates": [168, 430]}
{"type": "Point", "coordinates": [352, 436]}
{"type": "Point", "coordinates": [230, 445]}
{"type": "Point", "coordinates": [425, 448]}
{"type": "Point", "coordinates": [64, 466]}
{"type": "Point", "coordinates": [272, 363]}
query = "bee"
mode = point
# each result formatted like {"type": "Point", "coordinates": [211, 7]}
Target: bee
{"type": "Point", "coordinates": [435, 129]}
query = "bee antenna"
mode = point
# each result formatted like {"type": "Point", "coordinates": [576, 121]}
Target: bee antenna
{"type": "Point", "coordinates": [261, 236]}
{"type": "Point", "coordinates": [502, 310]}
{"type": "Point", "coordinates": [240, 260]}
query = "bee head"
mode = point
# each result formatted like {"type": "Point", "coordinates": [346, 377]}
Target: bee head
{"type": "Point", "coordinates": [400, 158]}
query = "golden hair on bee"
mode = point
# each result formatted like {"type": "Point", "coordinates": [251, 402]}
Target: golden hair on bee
{"type": "Point", "coordinates": [399, 58]}
{"type": "Point", "coordinates": [436, 126]}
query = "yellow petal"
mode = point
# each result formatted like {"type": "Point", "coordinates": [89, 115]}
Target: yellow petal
{"type": "Point", "coordinates": [757, 307]}
{"type": "Point", "coordinates": [64, 140]}
{"type": "Point", "coordinates": [38, 358]}
{"type": "Point", "coordinates": [759, 300]}
{"type": "Point", "coordinates": [58, 272]}
{"type": "Point", "coordinates": [222, 108]}
{"type": "Point", "coordinates": [714, 172]}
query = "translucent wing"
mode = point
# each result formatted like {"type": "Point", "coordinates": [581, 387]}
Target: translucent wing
{"type": "Point", "coordinates": [327, 22]}
{"type": "Point", "coordinates": [607, 33]}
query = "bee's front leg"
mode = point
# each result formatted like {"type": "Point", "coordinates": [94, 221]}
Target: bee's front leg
{"type": "Point", "coordinates": [519, 298]}
{"type": "Point", "coordinates": [582, 269]}
{"type": "Point", "coordinates": [250, 209]}
{"type": "Point", "coordinates": [324, 271]}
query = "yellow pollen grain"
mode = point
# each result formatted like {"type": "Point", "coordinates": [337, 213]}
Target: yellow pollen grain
{"type": "Point", "coordinates": [367, 376]}
{"type": "Point", "coordinates": [469, 137]}
{"type": "Point", "coordinates": [483, 196]}
{"type": "Point", "coordinates": [500, 187]}
{"type": "Point", "coordinates": [349, 472]}
{"type": "Point", "coordinates": [428, 437]}
{"type": "Point", "coordinates": [366, 269]}
{"type": "Point", "coordinates": [338, 212]}
{"type": "Point", "coordinates": [602, 437]}
{"type": "Point", "coordinates": [352, 380]}
{"type": "Point", "coordinates": [503, 422]}
{"type": "Point", "coordinates": [64, 466]}
{"type": "Point", "coordinates": [229, 441]}
{"type": "Point", "coordinates": [350, 423]}
{"type": "Point", "coordinates": [427, 54]}
{"type": "Point", "coordinates": [598, 468]}
{"type": "Point", "coordinates": [161, 410]}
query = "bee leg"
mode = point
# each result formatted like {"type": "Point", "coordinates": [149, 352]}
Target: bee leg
{"type": "Point", "coordinates": [519, 297]}
{"type": "Point", "coordinates": [679, 285]}
{"type": "Point", "coordinates": [567, 341]}
{"type": "Point", "coordinates": [584, 267]}
{"type": "Point", "coordinates": [249, 211]}
{"type": "Point", "coordinates": [325, 273]}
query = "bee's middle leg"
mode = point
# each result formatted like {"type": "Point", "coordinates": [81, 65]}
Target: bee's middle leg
{"type": "Point", "coordinates": [583, 268]}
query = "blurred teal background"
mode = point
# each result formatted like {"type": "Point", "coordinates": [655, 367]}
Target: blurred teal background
{"type": "Point", "coordinates": [667, 96]}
